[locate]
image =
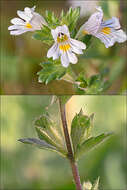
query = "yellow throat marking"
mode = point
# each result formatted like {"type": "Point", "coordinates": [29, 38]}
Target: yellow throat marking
{"type": "Point", "coordinates": [85, 32]}
{"type": "Point", "coordinates": [28, 25]}
{"type": "Point", "coordinates": [106, 30]}
{"type": "Point", "coordinates": [62, 39]}
{"type": "Point", "coordinates": [65, 47]}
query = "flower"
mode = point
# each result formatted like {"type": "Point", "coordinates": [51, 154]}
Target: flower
{"type": "Point", "coordinates": [108, 31]}
{"type": "Point", "coordinates": [28, 21]}
{"type": "Point", "coordinates": [64, 46]}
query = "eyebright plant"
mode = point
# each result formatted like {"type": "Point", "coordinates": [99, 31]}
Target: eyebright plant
{"type": "Point", "coordinates": [71, 146]}
{"type": "Point", "coordinates": [65, 40]}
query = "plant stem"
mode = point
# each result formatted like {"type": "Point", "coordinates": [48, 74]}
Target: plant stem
{"type": "Point", "coordinates": [69, 147]}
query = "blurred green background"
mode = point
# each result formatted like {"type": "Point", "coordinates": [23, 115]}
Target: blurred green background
{"type": "Point", "coordinates": [25, 167]}
{"type": "Point", "coordinates": [21, 55]}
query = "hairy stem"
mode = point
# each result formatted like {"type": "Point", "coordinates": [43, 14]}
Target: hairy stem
{"type": "Point", "coordinates": [69, 147]}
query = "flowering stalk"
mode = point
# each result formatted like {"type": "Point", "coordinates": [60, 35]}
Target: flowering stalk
{"type": "Point", "coordinates": [69, 147]}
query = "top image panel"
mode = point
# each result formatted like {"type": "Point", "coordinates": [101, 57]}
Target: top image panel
{"type": "Point", "coordinates": [63, 47]}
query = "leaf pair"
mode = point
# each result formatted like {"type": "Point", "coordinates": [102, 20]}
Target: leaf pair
{"type": "Point", "coordinates": [81, 136]}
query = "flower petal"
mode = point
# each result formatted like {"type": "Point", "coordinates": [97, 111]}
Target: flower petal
{"type": "Point", "coordinates": [76, 50]}
{"type": "Point", "coordinates": [64, 59]}
{"type": "Point", "coordinates": [27, 10]}
{"type": "Point", "coordinates": [120, 36]}
{"type": "Point", "coordinates": [93, 23]}
{"type": "Point", "coordinates": [65, 30]}
{"type": "Point", "coordinates": [17, 21]}
{"type": "Point", "coordinates": [77, 43]}
{"type": "Point", "coordinates": [15, 27]}
{"type": "Point", "coordinates": [37, 21]}
{"type": "Point", "coordinates": [24, 16]}
{"type": "Point", "coordinates": [53, 51]}
{"type": "Point", "coordinates": [72, 57]}
{"type": "Point", "coordinates": [106, 39]}
{"type": "Point", "coordinates": [17, 32]}
{"type": "Point", "coordinates": [111, 23]}
{"type": "Point", "coordinates": [54, 34]}
{"type": "Point", "coordinates": [56, 54]}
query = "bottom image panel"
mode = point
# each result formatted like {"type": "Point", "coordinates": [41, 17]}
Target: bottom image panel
{"type": "Point", "coordinates": [63, 143]}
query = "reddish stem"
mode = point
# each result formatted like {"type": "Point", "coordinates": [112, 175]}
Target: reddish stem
{"type": "Point", "coordinates": [69, 147]}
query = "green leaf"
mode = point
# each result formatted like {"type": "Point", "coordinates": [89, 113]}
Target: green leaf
{"type": "Point", "coordinates": [82, 79]}
{"type": "Point", "coordinates": [71, 17]}
{"type": "Point", "coordinates": [51, 71]}
{"type": "Point", "coordinates": [90, 144]}
{"type": "Point", "coordinates": [51, 19]}
{"type": "Point", "coordinates": [41, 144]}
{"type": "Point", "coordinates": [44, 136]}
{"type": "Point", "coordinates": [44, 35]}
{"type": "Point", "coordinates": [37, 143]}
{"type": "Point", "coordinates": [47, 130]}
{"type": "Point", "coordinates": [80, 124]}
{"type": "Point", "coordinates": [95, 84]}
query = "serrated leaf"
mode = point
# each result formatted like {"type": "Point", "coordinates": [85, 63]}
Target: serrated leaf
{"type": "Point", "coordinates": [95, 84]}
{"type": "Point", "coordinates": [90, 144]}
{"type": "Point", "coordinates": [51, 19]}
{"type": "Point", "coordinates": [46, 126]}
{"type": "Point", "coordinates": [79, 125]}
{"type": "Point", "coordinates": [71, 18]}
{"type": "Point", "coordinates": [41, 144]}
{"type": "Point", "coordinates": [37, 143]}
{"type": "Point", "coordinates": [51, 71]}
{"type": "Point", "coordinates": [44, 136]}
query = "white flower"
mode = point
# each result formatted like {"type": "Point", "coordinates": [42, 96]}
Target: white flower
{"type": "Point", "coordinates": [28, 21]}
{"type": "Point", "coordinates": [108, 31]}
{"type": "Point", "coordinates": [65, 46]}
